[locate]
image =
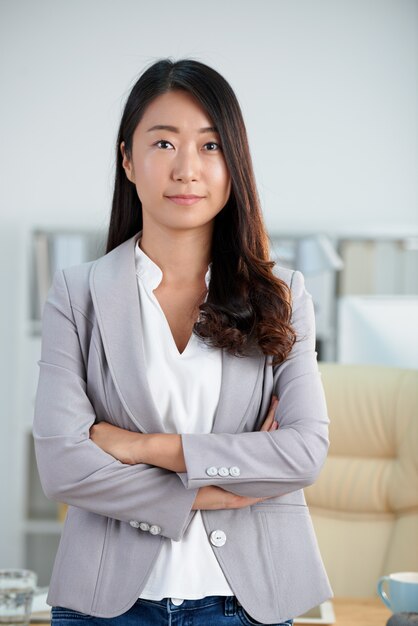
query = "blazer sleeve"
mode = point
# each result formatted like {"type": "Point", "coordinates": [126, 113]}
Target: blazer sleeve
{"type": "Point", "coordinates": [72, 468]}
{"type": "Point", "coordinates": [290, 458]}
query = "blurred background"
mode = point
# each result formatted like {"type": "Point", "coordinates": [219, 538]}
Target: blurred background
{"type": "Point", "coordinates": [329, 93]}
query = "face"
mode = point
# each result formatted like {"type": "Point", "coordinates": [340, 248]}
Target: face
{"type": "Point", "coordinates": [177, 152]}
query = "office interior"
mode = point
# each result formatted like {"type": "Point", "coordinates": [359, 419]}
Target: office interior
{"type": "Point", "coordinates": [329, 95]}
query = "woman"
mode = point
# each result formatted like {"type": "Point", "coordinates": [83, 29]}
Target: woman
{"type": "Point", "coordinates": [157, 416]}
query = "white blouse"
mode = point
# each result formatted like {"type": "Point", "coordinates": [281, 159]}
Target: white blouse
{"type": "Point", "coordinates": [185, 388]}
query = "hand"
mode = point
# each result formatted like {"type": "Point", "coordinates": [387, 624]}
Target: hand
{"type": "Point", "coordinates": [270, 423]}
{"type": "Point", "coordinates": [213, 498]}
{"type": "Point", "coordinates": [122, 444]}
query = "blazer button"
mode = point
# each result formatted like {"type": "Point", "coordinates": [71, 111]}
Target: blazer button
{"type": "Point", "coordinates": [134, 523]}
{"type": "Point", "coordinates": [217, 538]}
{"type": "Point", "coordinates": [144, 526]}
{"type": "Point", "coordinates": [234, 471]}
{"type": "Point", "coordinates": [155, 530]}
{"type": "Point", "coordinates": [212, 471]}
{"type": "Point", "coordinates": [223, 471]}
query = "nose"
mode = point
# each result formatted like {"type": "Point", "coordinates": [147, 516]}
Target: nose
{"type": "Point", "coordinates": [186, 165]}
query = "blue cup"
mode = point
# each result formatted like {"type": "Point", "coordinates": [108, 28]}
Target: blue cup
{"type": "Point", "coordinates": [403, 592]}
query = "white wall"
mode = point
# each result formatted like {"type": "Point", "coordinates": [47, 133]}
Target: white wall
{"type": "Point", "coordinates": [328, 90]}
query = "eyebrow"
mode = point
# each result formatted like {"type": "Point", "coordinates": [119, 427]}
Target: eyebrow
{"type": "Point", "coordinates": [174, 129]}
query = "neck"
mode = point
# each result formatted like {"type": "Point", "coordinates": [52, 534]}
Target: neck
{"type": "Point", "coordinates": [182, 255]}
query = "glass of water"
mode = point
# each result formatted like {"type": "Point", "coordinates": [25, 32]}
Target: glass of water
{"type": "Point", "coordinates": [17, 587]}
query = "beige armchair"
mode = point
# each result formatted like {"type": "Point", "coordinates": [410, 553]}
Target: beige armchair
{"type": "Point", "coordinates": [364, 505]}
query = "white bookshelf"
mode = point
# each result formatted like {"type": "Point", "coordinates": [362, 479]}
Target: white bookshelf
{"type": "Point", "coordinates": [39, 525]}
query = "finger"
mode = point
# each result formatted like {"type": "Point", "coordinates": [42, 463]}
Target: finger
{"type": "Point", "coordinates": [267, 422]}
{"type": "Point", "coordinates": [270, 416]}
{"type": "Point", "coordinates": [272, 409]}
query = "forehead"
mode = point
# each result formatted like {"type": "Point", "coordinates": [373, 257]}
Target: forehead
{"type": "Point", "coordinates": [175, 108]}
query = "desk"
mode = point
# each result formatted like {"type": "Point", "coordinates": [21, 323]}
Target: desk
{"type": "Point", "coordinates": [360, 612]}
{"type": "Point", "coordinates": [353, 612]}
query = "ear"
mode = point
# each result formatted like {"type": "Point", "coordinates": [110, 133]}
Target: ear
{"type": "Point", "coordinates": [127, 164]}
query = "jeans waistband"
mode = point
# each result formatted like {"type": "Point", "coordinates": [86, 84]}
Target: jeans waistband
{"type": "Point", "coordinates": [230, 603]}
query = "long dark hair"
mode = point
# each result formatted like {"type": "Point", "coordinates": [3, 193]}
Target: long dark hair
{"type": "Point", "coordinates": [247, 306]}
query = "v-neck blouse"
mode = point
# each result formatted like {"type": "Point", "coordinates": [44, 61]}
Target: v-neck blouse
{"type": "Point", "coordinates": [185, 389]}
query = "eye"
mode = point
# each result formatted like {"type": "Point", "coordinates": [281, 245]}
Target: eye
{"type": "Point", "coordinates": [213, 146]}
{"type": "Point", "coordinates": [163, 144]}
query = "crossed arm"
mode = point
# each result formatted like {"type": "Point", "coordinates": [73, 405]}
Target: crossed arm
{"type": "Point", "coordinates": [79, 462]}
{"type": "Point", "coordinates": [165, 450]}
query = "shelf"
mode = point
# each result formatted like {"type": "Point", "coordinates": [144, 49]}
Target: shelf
{"type": "Point", "coordinates": [40, 551]}
{"type": "Point", "coordinates": [34, 328]}
{"type": "Point", "coordinates": [42, 527]}
{"type": "Point", "coordinates": [30, 374]}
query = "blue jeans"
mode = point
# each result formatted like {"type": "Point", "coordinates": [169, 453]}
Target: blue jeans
{"type": "Point", "coordinates": [209, 611]}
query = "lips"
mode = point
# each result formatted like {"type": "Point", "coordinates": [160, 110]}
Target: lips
{"type": "Point", "coordinates": [185, 195]}
{"type": "Point", "coordinates": [185, 199]}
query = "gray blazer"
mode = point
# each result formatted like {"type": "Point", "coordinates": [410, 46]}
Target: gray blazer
{"type": "Point", "coordinates": [92, 369]}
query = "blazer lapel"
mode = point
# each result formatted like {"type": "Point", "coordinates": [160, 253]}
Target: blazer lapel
{"type": "Point", "coordinates": [114, 290]}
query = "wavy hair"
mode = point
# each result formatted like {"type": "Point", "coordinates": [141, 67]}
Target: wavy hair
{"type": "Point", "coordinates": [247, 307]}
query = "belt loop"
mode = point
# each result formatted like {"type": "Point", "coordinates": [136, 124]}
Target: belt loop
{"type": "Point", "coordinates": [230, 605]}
